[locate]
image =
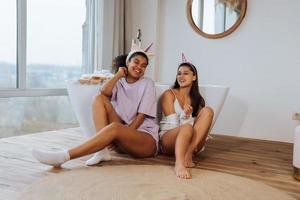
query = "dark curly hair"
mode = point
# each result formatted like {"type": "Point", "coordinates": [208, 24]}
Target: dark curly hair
{"type": "Point", "coordinates": [119, 61]}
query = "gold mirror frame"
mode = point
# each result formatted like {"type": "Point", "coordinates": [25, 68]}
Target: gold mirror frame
{"type": "Point", "coordinates": [218, 35]}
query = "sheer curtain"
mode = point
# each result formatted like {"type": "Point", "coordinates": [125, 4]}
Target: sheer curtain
{"type": "Point", "coordinates": [103, 33]}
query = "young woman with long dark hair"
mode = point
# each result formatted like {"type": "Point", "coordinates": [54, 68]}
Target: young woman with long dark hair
{"type": "Point", "coordinates": [186, 120]}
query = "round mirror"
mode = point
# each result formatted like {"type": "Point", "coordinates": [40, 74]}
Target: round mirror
{"type": "Point", "coordinates": [216, 18]}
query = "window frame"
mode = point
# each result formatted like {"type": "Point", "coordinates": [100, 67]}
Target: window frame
{"type": "Point", "coordinates": [21, 89]}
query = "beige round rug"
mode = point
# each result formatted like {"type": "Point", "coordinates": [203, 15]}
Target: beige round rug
{"type": "Point", "coordinates": [143, 182]}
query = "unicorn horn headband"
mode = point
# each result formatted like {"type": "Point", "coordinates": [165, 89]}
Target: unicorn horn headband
{"type": "Point", "coordinates": [184, 60]}
{"type": "Point", "coordinates": [135, 48]}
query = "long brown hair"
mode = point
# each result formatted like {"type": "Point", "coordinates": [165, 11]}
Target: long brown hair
{"type": "Point", "coordinates": [197, 100]}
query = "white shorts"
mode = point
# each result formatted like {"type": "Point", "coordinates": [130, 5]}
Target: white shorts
{"type": "Point", "coordinates": [161, 133]}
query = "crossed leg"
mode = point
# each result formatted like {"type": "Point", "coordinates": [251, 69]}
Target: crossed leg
{"type": "Point", "coordinates": [111, 130]}
{"type": "Point", "coordinates": [138, 144]}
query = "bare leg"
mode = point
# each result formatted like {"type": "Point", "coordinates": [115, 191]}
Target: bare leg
{"type": "Point", "coordinates": [103, 114]}
{"type": "Point", "coordinates": [136, 143]}
{"type": "Point", "coordinates": [177, 140]}
{"type": "Point", "coordinates": [201, 127]}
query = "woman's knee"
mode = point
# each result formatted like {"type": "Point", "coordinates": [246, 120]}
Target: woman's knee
{"type": "Point", "coordinates": [100, 98]}
{"type": "Point", "coordinates": [207, 111]}
{"type": "Point", "coordinates": [115, 129]}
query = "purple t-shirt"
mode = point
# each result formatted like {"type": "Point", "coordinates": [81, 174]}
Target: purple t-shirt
{"type": "Point", "coordinates": [128, 99]}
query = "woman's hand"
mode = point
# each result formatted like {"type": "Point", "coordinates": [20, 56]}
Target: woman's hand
{"type": "Point", "coordinates": [108, 86]}
{"type": "Point", "coordinates": [122, 71]}
{"type": "Point", "coordinates": [188, 110]}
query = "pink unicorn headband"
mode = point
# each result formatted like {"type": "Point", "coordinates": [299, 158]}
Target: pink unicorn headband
{"type": "Point", "coordinates": [184, 60]}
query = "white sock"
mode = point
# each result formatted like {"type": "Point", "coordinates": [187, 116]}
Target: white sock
{"type": "Point", "coordinates": [51, 158]}
{"type": "Point", "coordinates": [99, 156]}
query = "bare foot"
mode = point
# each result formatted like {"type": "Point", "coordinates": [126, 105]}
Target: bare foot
{"type": "Point", "coordinates": [182, 172]}
{"type": "Point", "coordinates": [188, 160]}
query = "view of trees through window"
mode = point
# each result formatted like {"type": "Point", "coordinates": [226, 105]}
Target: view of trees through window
{"type": "Point", "coordinates": [53, 55]}
{"type": "Point", "coordinates": [23, 115]}
{"type": "Point", "coordinates": [54, 41]}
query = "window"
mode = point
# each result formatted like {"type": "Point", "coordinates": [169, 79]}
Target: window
{"type": "Point", "coordinates": [54, 42]}
{"type": "Point", "coordinates": [24, 115]}
{"type": "Point", "coordinates": [41, 46]}
{"type": "Point", "coordinates": [8, 25]}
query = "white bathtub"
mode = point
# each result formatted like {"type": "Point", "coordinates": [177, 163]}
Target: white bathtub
{"type": "Point", "coordinates": [82, 95]}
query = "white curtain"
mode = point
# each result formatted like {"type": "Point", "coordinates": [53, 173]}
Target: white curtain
{"type": "Point", "coordinates": [103, 33]}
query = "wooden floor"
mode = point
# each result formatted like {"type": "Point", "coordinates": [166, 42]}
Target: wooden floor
{"type": "Point", "coordinates": [266, 161]}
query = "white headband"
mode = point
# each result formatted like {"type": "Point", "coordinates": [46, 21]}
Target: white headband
{"type": "Point", "coordinates": [137, 49]}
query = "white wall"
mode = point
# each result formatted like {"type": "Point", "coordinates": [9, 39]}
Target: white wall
{"type": "Point", "coordinates": [260, 62]}
{"type": "Point", "coordinates": [143, 14]}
